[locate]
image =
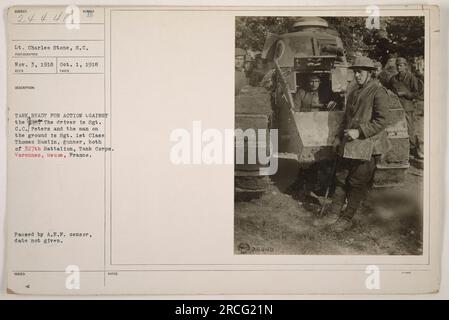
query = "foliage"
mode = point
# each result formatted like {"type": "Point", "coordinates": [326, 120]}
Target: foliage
{"type": "Point", "coordinates": [400, 36]}
{"type": "Point", "coordinates": [250, 32]}
{"type": "Point", "coordinates": [352, 31]}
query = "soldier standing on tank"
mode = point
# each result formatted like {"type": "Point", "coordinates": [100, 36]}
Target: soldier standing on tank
{"type": "Point", "coordinates": [365, 118]}
{"type": "Point", "coordinates": [405, 85]}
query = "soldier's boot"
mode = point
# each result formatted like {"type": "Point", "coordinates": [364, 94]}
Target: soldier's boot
{"type": "Point", "coordinates": [345, 222]}
{"type": "Point", "coordinates": [342, 224]}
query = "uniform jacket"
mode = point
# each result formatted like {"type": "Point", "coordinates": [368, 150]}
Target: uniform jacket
{"type": "Point", "coordinates": [408, 84]}
{"type": "Point", "coordinates": [306, 100]}
{"type": "Point", "coordinates": [367, 109]}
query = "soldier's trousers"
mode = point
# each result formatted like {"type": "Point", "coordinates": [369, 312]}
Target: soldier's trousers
{"type": "Point", "coordinates": [409, 107]}
{"type": "Point", "coordinates": [353, 180]}
{"type": "Point", "coordinates": [410, 117]}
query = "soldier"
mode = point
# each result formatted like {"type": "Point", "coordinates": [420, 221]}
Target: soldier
{"type": "Point", "coordinates": [365, 119]}
{"type": "Point", "coordinates": [407, 88]}
{"type": "Point", "coordinates": [388, 71]}
{"type": "Point", "coordinates": [377, 72]}
{"type": "Point", "coordinates": [240, 77]}
{"type": "Point", "coordinates": [312, 99]}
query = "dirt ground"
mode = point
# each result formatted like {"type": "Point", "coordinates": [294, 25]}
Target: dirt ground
{"type": "Point", "coordinates": [280, 222]}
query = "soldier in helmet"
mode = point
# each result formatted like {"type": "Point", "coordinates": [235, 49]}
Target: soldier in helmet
{"type": "Point", "coordinates": [365, 119]}
{"type": "Point", "coordinates": [405, 85]}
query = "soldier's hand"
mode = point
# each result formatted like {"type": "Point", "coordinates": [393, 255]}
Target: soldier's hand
{"type": "Point", "coordinates": [352, 134]}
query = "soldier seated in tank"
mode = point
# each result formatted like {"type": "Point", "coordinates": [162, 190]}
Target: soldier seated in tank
{"type": "Point", "coordinates": [312, 98]}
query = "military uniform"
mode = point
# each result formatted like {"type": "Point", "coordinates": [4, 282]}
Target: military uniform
{"type": "Point", "coordinates": [366, 111]}
{"type": "Point", "coordinates": [408, 84]}
{"type": "Point", "coordinates": [306, 101]}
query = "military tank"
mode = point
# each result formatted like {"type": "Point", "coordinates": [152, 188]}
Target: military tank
{"type": "Point", "coordinates": [252, 112]}
{"type": "Point", "coordinates": [311, 47]}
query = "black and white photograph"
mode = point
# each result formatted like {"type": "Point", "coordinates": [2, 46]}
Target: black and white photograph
{"type": "Point", "coordinates": [342, 101]}
{"type": "Point", "coordinates": [234, 150]}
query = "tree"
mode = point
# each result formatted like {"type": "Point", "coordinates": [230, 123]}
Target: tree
{"type": "Point", "coordinates": [406, 35]}
{"type": "Point", "coordinates": [250, 32]}
{"type": "Point", "coordinates": [401, 36]}
{"type": "Point", "coordinates": [352, 32]}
